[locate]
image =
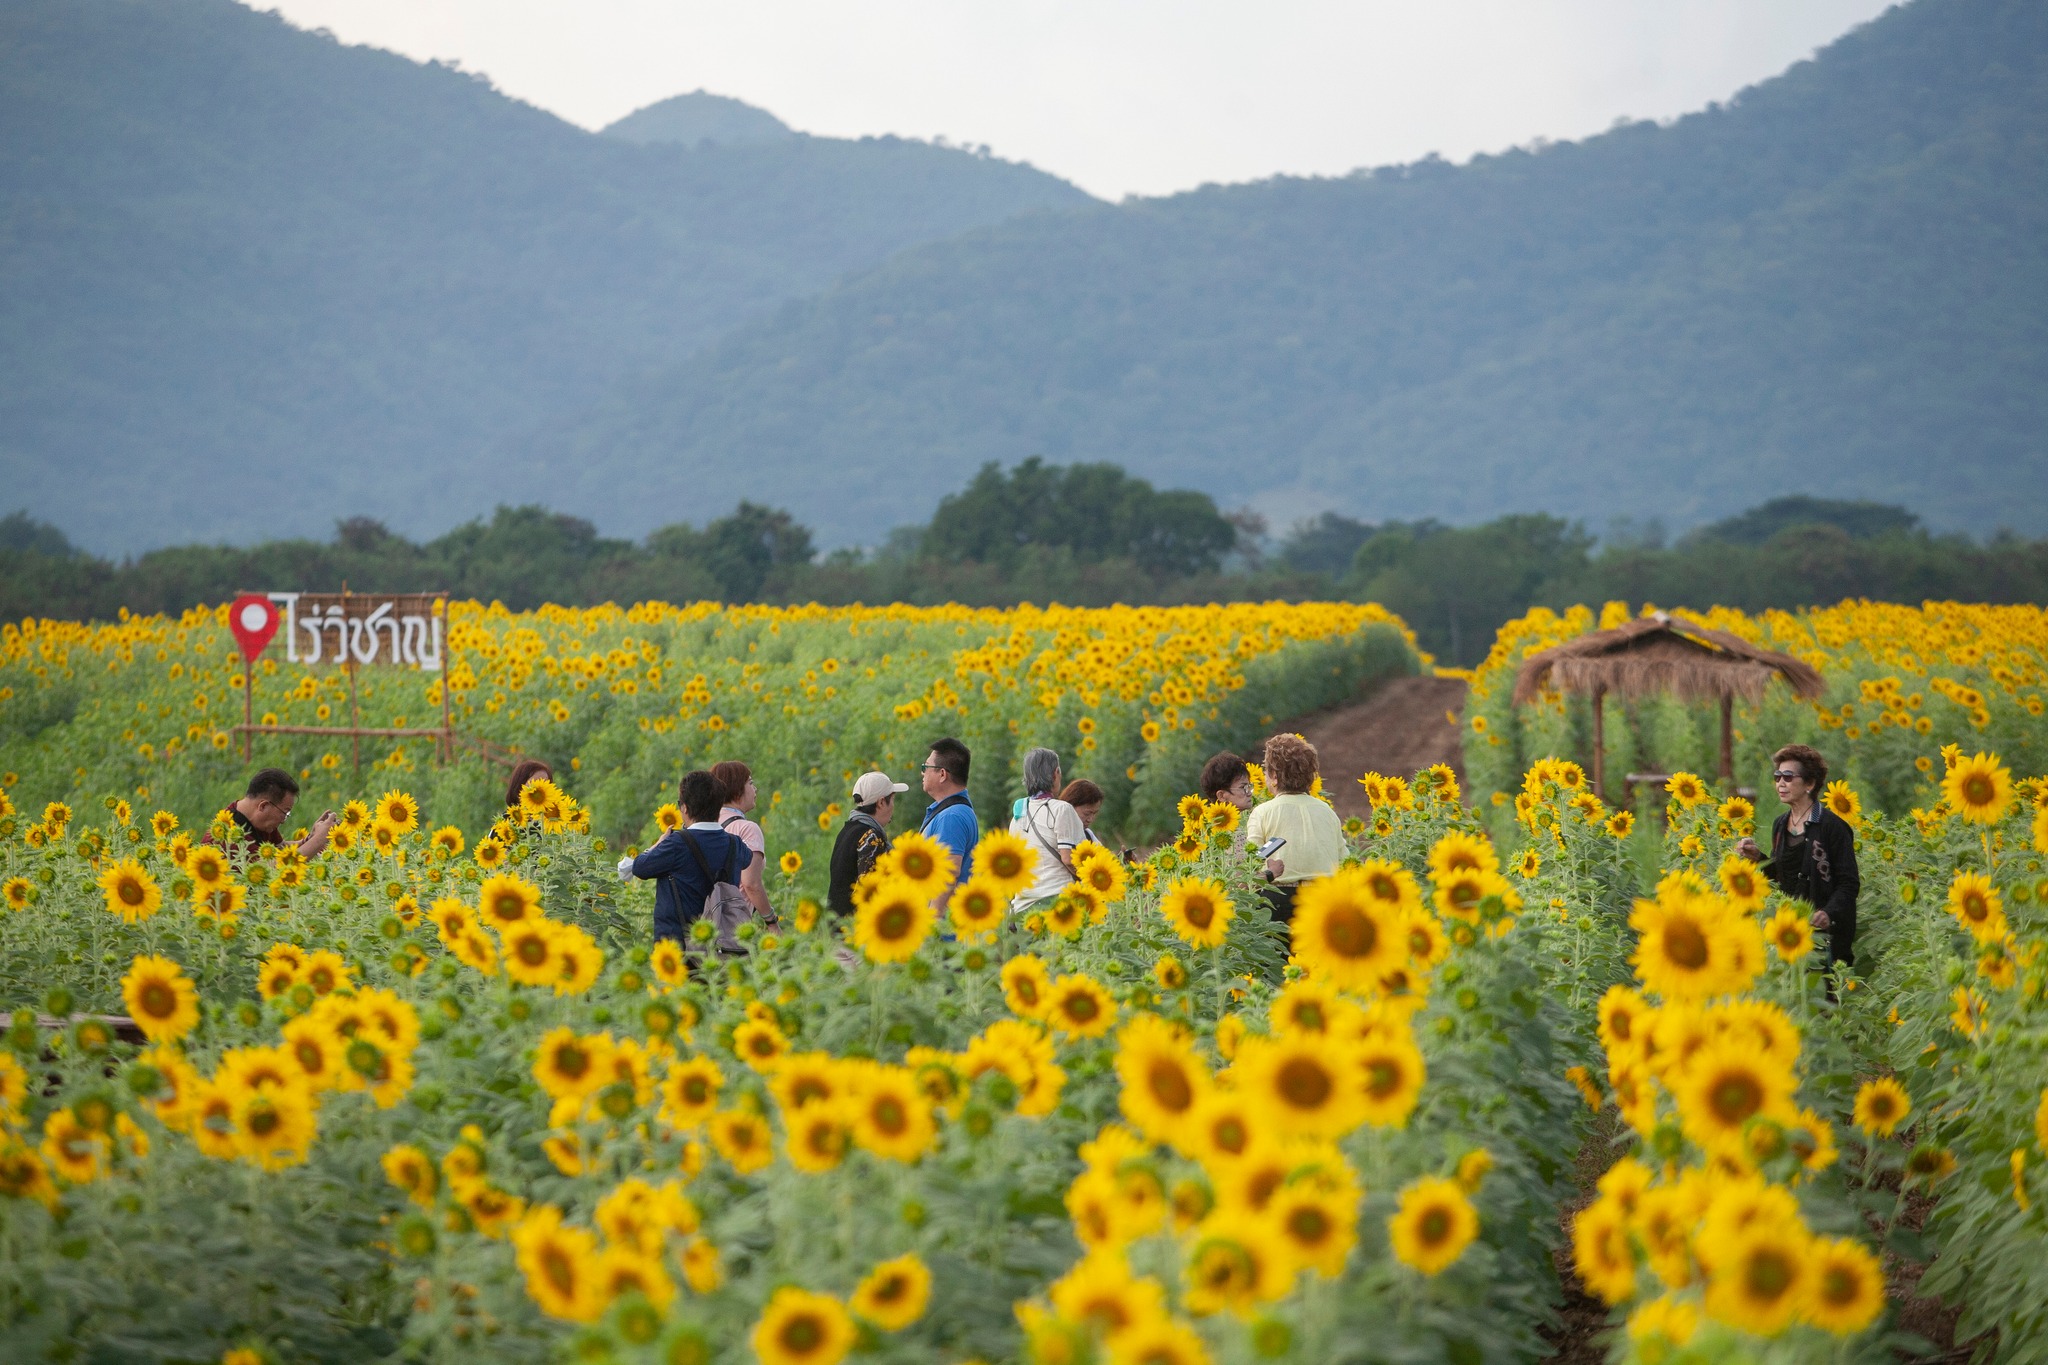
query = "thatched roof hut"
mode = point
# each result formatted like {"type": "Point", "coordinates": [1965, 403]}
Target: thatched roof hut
{"type": "Point", "coordinates": [1662, 654]}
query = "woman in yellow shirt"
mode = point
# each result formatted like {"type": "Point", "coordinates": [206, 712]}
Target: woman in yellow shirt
{"type": "Point", "coordinates": [1314, 834]}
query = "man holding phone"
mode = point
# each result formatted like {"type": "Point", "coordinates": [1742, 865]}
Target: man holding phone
{"type": "Point", "coordinates": [267, 804]}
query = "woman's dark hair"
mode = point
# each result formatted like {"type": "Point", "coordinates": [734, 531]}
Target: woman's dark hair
{"type": "Point", "coordinates": [1811, 764]}
{"type": "Point", "coordinates": [524, 772]}
{"type": "Point", "coordinates": [1081, 792]}
{"type": "Point", "coordinates": [1290, 764]}
{"type": "Point", "coordinates": [732, 777]}
{"type": "Point", "coordinates": [701, 795]}
{"type": "Point", "coordinates": [952, 755]}
{"type": "Point", "coordinates": [1220, 774]}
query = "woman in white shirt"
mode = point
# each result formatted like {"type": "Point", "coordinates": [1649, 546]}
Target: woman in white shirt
{"type": "Point", "coordinates": [1049, 825]}
{"type": "Point", "coordinates": [1314, 834]}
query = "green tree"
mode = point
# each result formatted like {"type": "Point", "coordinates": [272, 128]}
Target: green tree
{"type": "Point", "coordinates": [1097, 511]}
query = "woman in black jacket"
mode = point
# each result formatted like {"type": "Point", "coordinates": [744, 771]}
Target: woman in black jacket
{"type": "Point", "coordinates": [1813, 850]}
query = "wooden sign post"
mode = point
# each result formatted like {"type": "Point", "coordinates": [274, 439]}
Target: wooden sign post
{"type": "Point", "coordinates": [402, 630]}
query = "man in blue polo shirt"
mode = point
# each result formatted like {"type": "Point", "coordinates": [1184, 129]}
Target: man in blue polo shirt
{"type": "Point", "coordinates": [686, 865]}
{"type": "Point", "coordinates": [950, 818]}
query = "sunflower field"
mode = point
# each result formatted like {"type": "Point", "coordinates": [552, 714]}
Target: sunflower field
{"type": "Point", "coordinates": [435, 1095]}
{"type": "Point", "coordinates": [1902, 682]}
{"type": "Point", "coordinates": [621, 702]}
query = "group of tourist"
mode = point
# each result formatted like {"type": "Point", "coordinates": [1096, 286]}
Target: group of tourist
{"type": "Point", "coordinates": [712, 866]}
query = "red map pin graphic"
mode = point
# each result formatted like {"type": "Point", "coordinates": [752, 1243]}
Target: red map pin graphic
{"type": "Point", "coordinates": [253, 620]}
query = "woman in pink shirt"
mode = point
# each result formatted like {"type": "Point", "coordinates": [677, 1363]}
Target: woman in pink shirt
{"type": "Point", "coordinates": [737, 781]}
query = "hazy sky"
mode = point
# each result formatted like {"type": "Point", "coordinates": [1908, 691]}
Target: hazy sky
{"type": "Point", "coordinates": [1127, 96]}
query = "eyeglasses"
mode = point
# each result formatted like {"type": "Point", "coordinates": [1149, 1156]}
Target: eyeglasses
{"type": "Point", "coordinates": [931, 767]}
{"type": "Point", "coordinates": [1788, 777]}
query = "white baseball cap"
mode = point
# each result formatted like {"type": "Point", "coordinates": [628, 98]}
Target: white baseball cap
{"type": "Point", "coordinates": [872, 787]}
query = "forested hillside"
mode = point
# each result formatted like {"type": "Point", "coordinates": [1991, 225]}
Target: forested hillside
{"type": "Point", "coordinates": [256, 280]}
{"type": "Point", "coordinates": [1834, 284]}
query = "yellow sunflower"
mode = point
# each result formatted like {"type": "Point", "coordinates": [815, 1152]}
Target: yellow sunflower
{"type": "Point", "coordinates": [76, 1151]}
{"type": "Point", "coordinates": [1349, 934]}
{"type": "Point", "coordinates": [1005, 861]}
{"type": "Point", "coordinates": [531, 956]}
{"type": "Point", "coordinates": [1844, 1286]}
{"type": "Point", "coordinates": [977, 909]}
{"type": "Point", "coordinates": [1790, 932]}
{"type": "Point", "coordinates": [1760, 1275]}
{"type": "Point", "coordinates": [1727, 1084]}
{"type": "Point", "coordinates": [131, 892]}
{"type": "Point", "coordinates": [1081, 1006]}
{"type": "Point", "coordinates": [801, 1328]}
{"type": "Point", "coordinates": [817, 1135]}
{"type": "Point", "coordinates": [570, 1065]}
{"type": "Point", "coordinates": [689, 1093]}
{"type": "Point", "coordinates": [1392, 1073]}
{"type": "Point", "coordinates": [667, 962]}
{"type": "Point", "coordinates": [1305, 1085]}
{"type": "Point", "coordinates": [1236, 1260]}
{"type": "Point", "coordinates": [1743, 883]}
{"type": "Point", "coordinates": [1199, 911]}
{"type": "Point", "coordinates": [894, 922]}
{"type": "Point", "coordinates": [1978, 788]}
{"type": "Point", "coordinates": [1317, 1222]}
{"type": "Point", "coordinates": [1433, 1225]}
{"type": "Point", "coordinates": [742, 1138]}
{"type": "Point", "coordinates": [506, 900]}
{"type": "Point", "coordinates": [922, 862]}
{"type": "Point", "coordinates": [1025, 983]}
{"type": "Point", "coordinates": [1977, 906]}
{"type": "Point", "coordinates": [1162, 1076]}
{"type": "Point", "coordinates": [161, 1000]}
{"type": "Point", "coordinates": [1683, 945]}
{"type": "Point", "coordinates": [560, 1264]}
{"type": "Point", "coordinates": [1686, 789]}
{"type": "Point", "coordinates": [895, 1293]}
{"type": "Point", "coordinates": [760, 1044]}
{"type": "Point", "coordinates": [891, 1116]}
{"type": "Point", "coordinates": [274, 1126]}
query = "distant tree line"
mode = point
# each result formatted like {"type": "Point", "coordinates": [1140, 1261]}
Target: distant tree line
{"type": "Point", "coordinates": [1454, 585]}
{"type": "Point", "coordinates": [1085, 535]}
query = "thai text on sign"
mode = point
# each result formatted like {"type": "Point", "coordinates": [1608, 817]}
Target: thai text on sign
{"type": "Point", "coordinates": [404, 629]}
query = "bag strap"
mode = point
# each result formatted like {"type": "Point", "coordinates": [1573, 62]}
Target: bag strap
{"type": "Point", "coordinates": [1031, 823]}
{"type": "Point", "coordinates": [725, 874]}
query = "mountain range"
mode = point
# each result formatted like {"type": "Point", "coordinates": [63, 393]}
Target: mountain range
{"type": "Point", "coordinates": [258, 280]}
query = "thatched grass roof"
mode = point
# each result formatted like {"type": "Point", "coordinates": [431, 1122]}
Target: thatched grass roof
{"type": "Point", "coordinates": [1663, 655]}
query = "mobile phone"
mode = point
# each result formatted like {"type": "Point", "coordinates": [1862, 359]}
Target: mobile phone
{"type": "Point", "coordinates": [1270, 847]}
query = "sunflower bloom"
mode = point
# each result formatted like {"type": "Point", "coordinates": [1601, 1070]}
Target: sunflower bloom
{"type": "Point", "coordinates": [894, 922]}
{"type": "Point", "coordinates": [1978, 789]}
{"type": "Point", "coordinates": [1163, 1078]}
{"type": "Point", "coordinates": [1199, 911]}
{"type": "Point", "coordinates": [1433, 1225]}
{"type": "Point", "coordinates": [160, 998]}
{"type": "Point", "coordinates": [894, 1294]}
{"type": "Point", "coordinates": [801, 1328]}
{"type": "Point", "coordinates": [131, 892]}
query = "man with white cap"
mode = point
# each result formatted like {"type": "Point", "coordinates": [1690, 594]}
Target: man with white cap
{"type": "Point", "coordinates": [863, 838]}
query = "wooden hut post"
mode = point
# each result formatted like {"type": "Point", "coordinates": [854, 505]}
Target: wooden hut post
{"type": "Point", "coordinates": [1727, 738]}
{"type": "Point", "coordinates": [1600, 742]}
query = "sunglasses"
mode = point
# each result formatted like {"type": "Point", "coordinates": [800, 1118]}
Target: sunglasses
{"type": "Point", "coordinates": [1788, 777]}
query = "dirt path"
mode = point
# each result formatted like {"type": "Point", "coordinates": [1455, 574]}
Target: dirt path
{"type": "Point", "coordinates": [1399, 729]}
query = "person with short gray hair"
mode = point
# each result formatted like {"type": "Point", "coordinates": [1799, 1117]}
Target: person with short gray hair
{"type": "Point", "coordinates": [1049, 825]}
